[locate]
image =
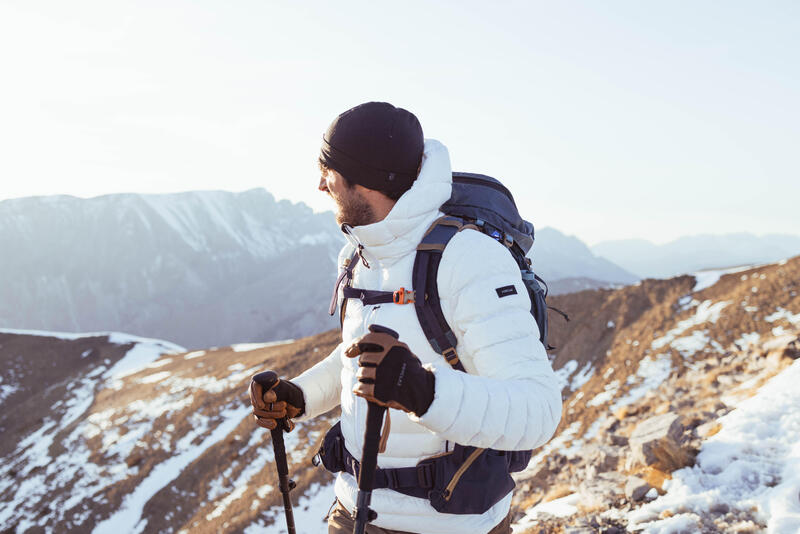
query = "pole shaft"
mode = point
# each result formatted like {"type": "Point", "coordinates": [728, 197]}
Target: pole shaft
{"type": "Point", "coordinates": [283, 476]}
{"type": "Point", "coordinates": [369, 463]}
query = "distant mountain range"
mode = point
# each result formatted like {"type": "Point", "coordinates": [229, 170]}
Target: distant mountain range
{"type": "Point", "coordinates": [203, 268]}
{"type": "Point", "coordinates": [567, 264]}
{"type": "Point", "coordinates": [695, 253]}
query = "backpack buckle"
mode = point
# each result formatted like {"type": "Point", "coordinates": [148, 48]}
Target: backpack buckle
{"type": "Point", "coordinates": [403, 296]}
{"type": "Point", "coordinates": [451, 356]}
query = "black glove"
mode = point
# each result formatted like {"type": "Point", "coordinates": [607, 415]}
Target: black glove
{"type": "Point", "coordinates": [389, 374]}
{"type": "Point", "coordinates": [275, 400]}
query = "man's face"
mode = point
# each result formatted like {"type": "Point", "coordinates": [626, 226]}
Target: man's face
{"type": "Point", "coordinates": [351, 206]}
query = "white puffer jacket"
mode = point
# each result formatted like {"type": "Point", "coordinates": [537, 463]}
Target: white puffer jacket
{"type": "Point", "coordinates": [508, 399]}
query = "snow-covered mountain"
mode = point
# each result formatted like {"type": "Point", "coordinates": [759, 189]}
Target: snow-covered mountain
{"type": "Point", "coordinates": [109, 433]}
{"type": "Point", "coordinates": [203, 268]}
{"type": "Point", "coordinates": [568, 265]}
{"type": "Point", "coordinates": [694, 253]}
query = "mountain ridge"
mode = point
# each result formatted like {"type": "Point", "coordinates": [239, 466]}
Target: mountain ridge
{"type": "Point", "coordinates": [698, 252]}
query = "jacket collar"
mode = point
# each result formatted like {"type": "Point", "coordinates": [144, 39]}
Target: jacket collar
{"type": "Point", "coordinates": [402, 229]}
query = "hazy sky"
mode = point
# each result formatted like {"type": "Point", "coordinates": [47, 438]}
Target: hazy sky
{"type": "Point", "coordinates": [606, 119]}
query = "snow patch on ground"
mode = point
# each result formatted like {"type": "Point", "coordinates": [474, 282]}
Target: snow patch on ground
{"type": "Point", "coordinates": [582, 377]}
{"type": "Point", "coordinates": [608, 393]}
{"type": "Point", "coordinates": [563, 507]}
{"type": "Point", "coordinates": [687, 346]}
{"type": "Point", "coordinates": [747, 340]}
{"type": "Point", "coordinates": [651, 373]}
{"type": "Point", "coordinates": [6, 390]}
{"type": "Point", "coordinates": [130, 512]}
{"type": "Point", "coordinates": [155, 377]}
{"type": "Point", "coordinates": [753, 462]}
{"type": "Point", "coordinates": [556, 444]}
{"type": "Point", "coordinates": [706, 312]}
{"type": "Point", "coordinates": [707, 278]}
{"type": "Point", "coordinates": [41, 473]}
{"type": "Point", "coordinates": [194, 354]}
{"type": "Point", "coordinates": [563, 374]}
{"type": "Point", "coordinates": [308, 515]}
{"type": "Point", "coordinates": [780, 313]}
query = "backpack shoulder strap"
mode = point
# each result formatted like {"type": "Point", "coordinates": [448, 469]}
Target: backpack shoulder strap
{"type": "Point", "coordinates": [426, 304]}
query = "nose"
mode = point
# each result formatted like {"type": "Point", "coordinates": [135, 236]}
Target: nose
{"type": "Point", "coordinates": [323, 184]}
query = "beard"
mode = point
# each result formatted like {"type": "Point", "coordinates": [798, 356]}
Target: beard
{"type": "Point", "coordinates": [353, 209]}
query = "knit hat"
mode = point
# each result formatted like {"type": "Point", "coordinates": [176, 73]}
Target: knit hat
{"type": "Point", "coordinates": [375, 145]}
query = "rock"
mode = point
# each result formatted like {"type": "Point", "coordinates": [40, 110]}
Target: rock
{"type": "Point", "coordinates": [706, 430]}
{"type": "Point", "coordinates": [656, 442]}
{"type": "Point", "coordinates": [636, 489]}
{"type": "Point", "coordinates": [601, 457]}
{"type": "Point", "coordinates": [601, 491]}
{"type": "Point", "coordinates": [719, 508]}
{"type": "Point", "coordinates": [617, 441]}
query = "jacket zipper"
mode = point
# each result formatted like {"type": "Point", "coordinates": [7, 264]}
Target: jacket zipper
{"type": "Point", "coordinates": [448, 491]}
{"type": "Point", "coordinates": [485, 183]}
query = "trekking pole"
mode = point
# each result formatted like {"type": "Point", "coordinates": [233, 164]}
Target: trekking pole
{"type": "Point", "coordinates": [369, 462]}
{"type": "Point", "coordinates": [268, 380]}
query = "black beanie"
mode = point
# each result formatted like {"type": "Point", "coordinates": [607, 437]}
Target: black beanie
{"type": "Point", "coordinates": [375, 145]}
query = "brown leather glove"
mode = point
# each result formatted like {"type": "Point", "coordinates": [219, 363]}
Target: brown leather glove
{"type": "Point", "coordinates": [389, 374]}
{"type": "Point", "coordinates": [275, 400]}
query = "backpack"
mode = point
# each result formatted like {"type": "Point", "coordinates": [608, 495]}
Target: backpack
{"type": "Point", "coordinates": [465, 480]}
{"type": "Point", "coordinates": [479, 202]}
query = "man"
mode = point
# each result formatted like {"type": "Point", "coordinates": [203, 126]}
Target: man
{"type": "Point", "coordinates": [388, 184]}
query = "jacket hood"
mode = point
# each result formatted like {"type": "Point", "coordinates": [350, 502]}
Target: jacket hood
{"type": "Point", "coordinates": [402, 229]}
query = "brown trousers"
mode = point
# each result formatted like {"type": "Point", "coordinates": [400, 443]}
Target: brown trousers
{"type": "Point", "coordinates": [340, 522]}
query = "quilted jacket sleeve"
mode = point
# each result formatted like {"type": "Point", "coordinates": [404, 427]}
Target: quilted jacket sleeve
{"type": "Point", "coordinates": [322, 385]}
{"type": "Point", "coordinates": [509, 398]}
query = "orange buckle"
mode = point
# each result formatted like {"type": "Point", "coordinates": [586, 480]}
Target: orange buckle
{"type": "Point", "coordinates": [401, 296]}
{"type": "Point", "coordinates": [451, 356]}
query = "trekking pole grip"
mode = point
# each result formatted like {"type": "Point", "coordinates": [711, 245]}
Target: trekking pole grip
{"type": "Point", "coordinates": [267, 380]}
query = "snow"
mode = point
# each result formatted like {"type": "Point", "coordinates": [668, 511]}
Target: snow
{"type": "Point", "coordinates": [118, 338]}
{"type": "Point", "coordinates": [194, 354]}
{"type": "Point", "coordinates": [159, 363]}
{"type": "Point", "coordinates": [246, 347]}
{"type": "Point", "coordinates": [652, 372]}
{"type": "Point", "coordinates": [130, 512]}
{"type": "Point", "coordinates": [706, 312]}
{"type": "Point", "coordinates": [563, 507]}
{"type": "Point", "coordinates": [780, 313]}
{"type": "Point", "coordinates": [747, 340]}
{"type": "Point", "coordinates": [563, 374]}
{"type": "Point", "coordinates": [707, 278]}
{"type": "Point", "coordinates": [610, 324]}
{"type": "Point", "coordinates": [582, 377]}
{"type": "Point", "coordinates": [753, 462]}
{"type": "Point", "coordinates": [6, 390]}
{"type": "Point", "coordinates": [308, 514]}
{"type": "Point", "coordinates": [608, 393]}
{"type": "Point", "coordinates": [72, 467]}
{"type": "Point", "coordinates": [155, 377]}
{"type": "Point", "coordinates": [144, 352]}
{"type": "Point", "coordinates": [689, 345]}
{"type": "Point", "coordinates": [556, 444]}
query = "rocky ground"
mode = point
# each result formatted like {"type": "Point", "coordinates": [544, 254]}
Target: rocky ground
{"type": "Point", "coordinates": [672, 363]}
{"type": "Point", "coordinates": [110, 433]}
